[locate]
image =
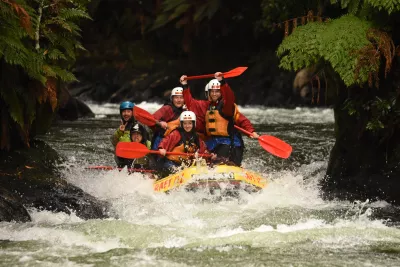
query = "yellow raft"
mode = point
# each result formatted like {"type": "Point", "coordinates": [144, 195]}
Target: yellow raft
{"type": "Point", "coordinates": [219, 177]}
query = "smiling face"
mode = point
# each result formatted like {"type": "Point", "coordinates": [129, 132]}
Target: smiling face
{"type": "Point", "coordinates": [215, 94]}
{"type": "Point", "coordinates": [178, 101]}
{"type": "Point", "coordinates": [127, 114]}
{"type": "Point", "coordinates": [136, 137]}
{"type": "Point", "coordinates": [187, 126]}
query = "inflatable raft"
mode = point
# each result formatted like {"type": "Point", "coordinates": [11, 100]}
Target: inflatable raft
{"type": "Point", "coordinates": [222, 177]}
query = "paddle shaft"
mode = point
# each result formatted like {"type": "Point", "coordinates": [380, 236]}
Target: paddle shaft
{"type": "Point", "coordinates": [174, 153]}
{"type": "Point", "coordinates": [259, 139]}
{"type": "Point", "coordinates": [229, 74]}
{"type": "Point", "coordinates": [262, 140]}
{"type": "Point", "coordinates": [200, 77]}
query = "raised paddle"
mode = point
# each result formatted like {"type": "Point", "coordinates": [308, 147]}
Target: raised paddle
{"type": "Point", "coordinates": [134, 150]}
{"type": "Point", "coordinates": [144, 116]}
{"type": "Point", "coordinates": [273, 145]}
{"type": "Point", "coordinates": [232, 73]}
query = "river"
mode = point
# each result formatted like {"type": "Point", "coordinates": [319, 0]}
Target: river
{"type": "Point", "coordinates": [287, 224]}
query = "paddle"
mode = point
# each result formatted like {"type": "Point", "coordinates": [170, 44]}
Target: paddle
{"type": "Point", "coordinates": [134, 150]}
{"type": "Point", "coordinates": [232, 73]}
{"type": "Point", "coordinates": [144, 116]}
{"type": "Point", "coordinates": [109, 168]}
{"type": "Point", "coordinates": [273, 145]}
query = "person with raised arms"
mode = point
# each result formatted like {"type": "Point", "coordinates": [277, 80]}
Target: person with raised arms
{"type": "Point", "coordinates": [217, 116]}
{"type": "Point", "coordinates": [183, 139]}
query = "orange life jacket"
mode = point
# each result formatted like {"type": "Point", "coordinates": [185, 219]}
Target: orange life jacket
{"type": "Point", "coordinates": [185, 145]}
{"type": "Point", "coordinates": [217, 124]}
{"type": "Point", "coordinates": [175, 122]}
{"type": "Point", "coordinates": [172, 125]}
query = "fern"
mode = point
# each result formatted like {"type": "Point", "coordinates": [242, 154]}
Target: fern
{"type": "Point", "coordinates": [333, 42]}
{"type": "Point", "coordinates": [390, 6]}
{"type": "Point", "coordinates": [14, 105]}
{"type": "Point", "coordinates": [354, 6]}
{"type": "Point", "coordinates": [37, 40]}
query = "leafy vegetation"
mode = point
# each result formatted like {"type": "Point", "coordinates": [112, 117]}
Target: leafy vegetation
{"type": "Point", "coordinates": [38, 42]}
{"type": "Point", "coordinates": [360, 50]}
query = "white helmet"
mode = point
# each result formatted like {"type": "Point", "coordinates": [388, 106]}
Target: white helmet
{"type": "Point", "coordinates": [206, 90]}
{"type": "Point", "coordinates": [214, 84]}
{"type": "Point", "coordinates": [176, 91]}
{"type": "Point", "coordinates": [188, 116]}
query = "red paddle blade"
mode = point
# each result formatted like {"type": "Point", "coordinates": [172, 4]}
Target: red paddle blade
{"type": "Point", "coordinates": [131, 150]}
{"type": "Point", "coordinates": [143, 116]}
{"type": "Point", "coordinates": [235, 72]}
{"type": "Point", "coordinates": [275, 146]}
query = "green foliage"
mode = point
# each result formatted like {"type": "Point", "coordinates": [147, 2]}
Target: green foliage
{"type": "Point", "coordinates": [354, 6]}
{"type": "Point", "coordinates": [38, 41]}
{"type": "Point", "coordinates": [333, 42]}
{"type": "Point", "coordinates": [390, 6]}
{"type": "Point", "coordinates": [277, 11]}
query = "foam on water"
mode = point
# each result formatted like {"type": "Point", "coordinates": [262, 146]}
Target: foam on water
{"type": "Point", "coordinates": [287, 223]}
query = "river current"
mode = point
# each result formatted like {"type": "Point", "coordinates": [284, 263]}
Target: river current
{"type": "Point", "coordinates": [287, 224]}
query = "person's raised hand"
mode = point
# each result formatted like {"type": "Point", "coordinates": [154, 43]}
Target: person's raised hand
{"type": "Point", "coordinates": [183, 80]}
{"type": "Point", "coordinates": [219, 76]}
{"type": "Point", "coordinates": [122, 126]}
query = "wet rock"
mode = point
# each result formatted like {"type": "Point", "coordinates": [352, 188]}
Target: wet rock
{"type": "Point", "coordinates": [11, 208]}
{"type": "Point", "coordinates": [72, 108]}
{"type": "Point", "coordinates": [32, 174]}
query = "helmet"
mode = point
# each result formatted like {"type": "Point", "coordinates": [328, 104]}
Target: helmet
{"type": "Point", "coordinates": [188, 116]}
{"type": "Point", "coordinates": [214, 84]}
{"type": "Point", "coordinates": [136, 128]}
{"type": "Point", "coordinates": [140, 129]}
{"type": "Point", "coordinates": [176, 91]}
{"type": "Point", "coordinates": [206, 90]}
{"type": "Point", "coordinates": [126, 105]}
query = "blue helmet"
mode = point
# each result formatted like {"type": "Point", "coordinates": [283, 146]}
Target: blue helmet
{"type": "Point", "coordinates": [126, 105]}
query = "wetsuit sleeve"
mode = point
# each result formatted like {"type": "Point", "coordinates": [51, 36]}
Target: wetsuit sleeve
{"type": "Point", "coordinates": [159, 114]}
{"type": "Point", "coordinates": [229, 99]}
{"type": "Point", "coordinates": [115, 137]}
{"type": "Point", "coordinates": [244, 123]}
{"type": "Point", "coordinates": [170, 141]}
{"type": "Point", "coordinates": [193, 104]}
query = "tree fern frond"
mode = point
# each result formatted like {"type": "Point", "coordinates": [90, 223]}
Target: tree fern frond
{"type": "Point", "coordinates": [56, 54]}
{"type": "Point", "coordinates": [14, 105]}
{"type": "Point", "coordinates": [334, 42]}
{"type": "Point", "coordinates": [73, 13]}
{"type": "Point", "coordinates": [64, 74]}
{"type": "Point", "coordinates": [390, 6]}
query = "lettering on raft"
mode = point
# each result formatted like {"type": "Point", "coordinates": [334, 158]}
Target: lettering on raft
{"type": "Point", "coordinates": [251, 178]}
{"type": "Point", "coordinates": [163, 185]}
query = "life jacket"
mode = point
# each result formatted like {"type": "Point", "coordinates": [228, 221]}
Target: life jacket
{"type": "Point", "coordinates": [174, 123]}
{"type": "Point", "coordinates": [217, 124]}
{"type": "Point", "coordinates": [187, 144]}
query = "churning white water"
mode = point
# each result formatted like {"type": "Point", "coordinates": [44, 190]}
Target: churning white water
{"type": "Point", "coordinates": [286, 224]}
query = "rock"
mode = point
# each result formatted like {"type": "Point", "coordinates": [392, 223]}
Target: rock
{"type": "Point", "coordinates": [72, 108]}
{"type": "Point", "coordinates": [32, 174]}
{"type": "Point", "coordinates": [11, 208]}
